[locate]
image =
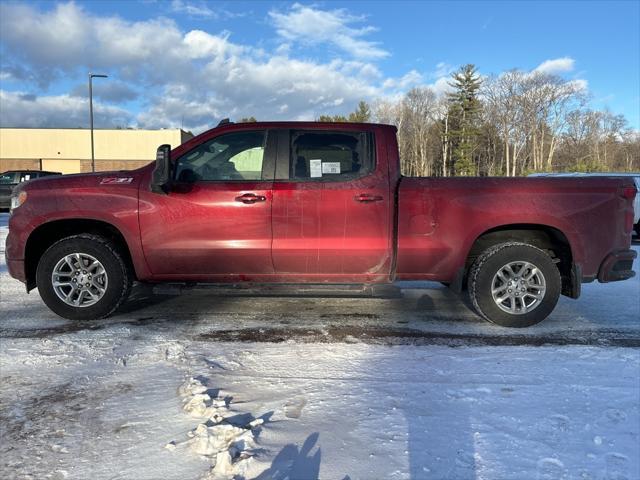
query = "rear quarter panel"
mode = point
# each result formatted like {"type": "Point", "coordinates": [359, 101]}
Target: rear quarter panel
{"type": "Point", "coordinates": [439, 219]}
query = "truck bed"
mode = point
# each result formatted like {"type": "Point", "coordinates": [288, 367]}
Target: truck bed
{"type": "Point", "coordinates": [439, 219]}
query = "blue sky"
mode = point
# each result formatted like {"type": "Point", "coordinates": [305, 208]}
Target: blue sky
{"type": "Point", "coordinates": [189, 62]}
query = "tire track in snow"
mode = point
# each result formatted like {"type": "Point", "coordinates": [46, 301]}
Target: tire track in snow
{"type": "Point", "coordinates": [354, 334]}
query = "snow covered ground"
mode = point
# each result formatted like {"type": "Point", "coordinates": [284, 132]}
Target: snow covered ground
{"type": "Point", "coordinates": [216, 386]}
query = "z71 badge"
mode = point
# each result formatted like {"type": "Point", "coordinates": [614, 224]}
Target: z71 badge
{"type": "Point", "coordinates": [115, 180]}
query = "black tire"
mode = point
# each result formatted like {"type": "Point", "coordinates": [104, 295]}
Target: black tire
{"type": "Point", "coordinates": [118, 274]}
{"type": "Point", "coordinates": [636, 227]}
{"type": "Point", "coordinates": [491, 261]}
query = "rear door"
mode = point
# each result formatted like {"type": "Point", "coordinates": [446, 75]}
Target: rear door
{"type": "Point", "coordinates": [216, 221]}
{"type": "Point", "coordinates": [332, 211]}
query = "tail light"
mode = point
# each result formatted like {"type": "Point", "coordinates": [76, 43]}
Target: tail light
{"type": "Point", "coordinates": [628, 192]}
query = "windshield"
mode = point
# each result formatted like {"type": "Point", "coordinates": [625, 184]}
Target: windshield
{"type": "Point", "coordinates": [8, 178]}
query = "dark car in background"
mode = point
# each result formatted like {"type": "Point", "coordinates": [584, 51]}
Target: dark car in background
{"type": "Point", "coordinates": [11, 178]}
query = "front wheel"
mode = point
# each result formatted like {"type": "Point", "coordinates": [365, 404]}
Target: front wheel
{"type": "Point", "coordinates": [83, 277]}
{"type": "Point", "coordinates": [514, 284]}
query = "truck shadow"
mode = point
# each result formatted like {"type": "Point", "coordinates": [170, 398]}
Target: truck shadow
{"type": "Point", "coordinates": [142, 297]}
{"type": "Point", "coordinates": [240, 317]}
{"type": "Point", "coordinates": [414, 308]}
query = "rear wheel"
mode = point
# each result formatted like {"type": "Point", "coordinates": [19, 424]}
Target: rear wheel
{"type": "Point", "coordinates": [514, 284]}
{"type": "Point", "coordinates": [83, 277]}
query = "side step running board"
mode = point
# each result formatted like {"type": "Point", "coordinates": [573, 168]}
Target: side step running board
{"type": "Point", "coordinates": [283, 290]}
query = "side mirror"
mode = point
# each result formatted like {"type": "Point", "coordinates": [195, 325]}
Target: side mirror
{"type": "Point", "coordinates": [161, 179]}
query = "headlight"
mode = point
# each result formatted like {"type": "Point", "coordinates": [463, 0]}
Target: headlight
{"type": "Point", "coordinates": [18, 199]}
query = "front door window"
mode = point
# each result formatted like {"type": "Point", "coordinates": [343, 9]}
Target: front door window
{"type": "Point", "coordinates": [234, 156]}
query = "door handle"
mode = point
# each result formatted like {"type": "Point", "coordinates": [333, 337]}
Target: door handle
{"type": "Point", "coordinates": [367, 198]}
{"type": "Point", "coordinates": [249, 198]}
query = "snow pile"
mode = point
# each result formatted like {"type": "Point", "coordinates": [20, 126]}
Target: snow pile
{"type": "Point", "coordinates": [197, 401]}
{"type": "Point", "coordinates": [228, 445]}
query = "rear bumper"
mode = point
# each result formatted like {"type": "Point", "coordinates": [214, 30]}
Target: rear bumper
{"type": "Point", "coordinates": [617, 266]}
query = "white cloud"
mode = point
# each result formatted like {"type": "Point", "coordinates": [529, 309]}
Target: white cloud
{"type": "Point", "coordinates": [312, 26]}
{"type": "Point", "coordinates": [60, 41]}
{"type": "Point", "coordinates": [192, 9]}
{"type": "Point", "coordinates": [20, 109]}
{"type": "Point", "coordinates": [443, 69]}
{"type": "Point", "coordinates": [240, 86]}
{"type": "Point", "coordinates": [203, 45]}
{"type": "Point", "coordinates": [407, 81]}
{"type": "Point", "coordinates": [556, 65]}
{"type": "Point", "coordinates": [441, 86]}
{"type": "Point", "coordinates": [580, 84]}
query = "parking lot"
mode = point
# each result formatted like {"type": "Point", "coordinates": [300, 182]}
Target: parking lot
{"type": "Point", "coordinates": [412, 385]}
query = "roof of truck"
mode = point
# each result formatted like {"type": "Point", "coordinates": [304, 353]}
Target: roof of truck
{"type": "Point", "coordinates": [304, 123]}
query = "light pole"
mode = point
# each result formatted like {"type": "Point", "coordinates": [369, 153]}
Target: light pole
{"type": "Point", "coordinates": [91, 77]}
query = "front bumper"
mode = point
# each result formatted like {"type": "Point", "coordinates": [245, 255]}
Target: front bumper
{"type": "Point", "coordinates": [14, 250]}
{"type": "Point", "coordinates": [617, 266]}
{"type": "Point", "coordinates": [16, 270]}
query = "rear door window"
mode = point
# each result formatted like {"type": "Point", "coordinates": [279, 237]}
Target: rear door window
{"type": "Point", "coordinates": [330, 156]}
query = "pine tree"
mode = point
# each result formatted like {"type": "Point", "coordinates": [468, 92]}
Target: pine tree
{"type": "Point", "coordinates": [464, 115]}
{"type": "Point", "coordinates": [329, 118]}
{"type": "Point", "coordinates": [362, 114]}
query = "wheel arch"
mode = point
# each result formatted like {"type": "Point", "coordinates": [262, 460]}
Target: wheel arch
{"type": "Point", "coordinates": [45, 235]}
{"type": "Point", "coordinates": [547, 238]}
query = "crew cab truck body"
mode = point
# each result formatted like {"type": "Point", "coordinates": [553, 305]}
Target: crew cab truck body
{"type": "Point", "coordinates": [320, 203]}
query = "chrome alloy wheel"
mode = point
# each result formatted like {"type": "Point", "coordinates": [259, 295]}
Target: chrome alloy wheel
{"type": "Point", "coordinates": [518, 287]}
{"type": "Point", "coordinates": [79, 280]}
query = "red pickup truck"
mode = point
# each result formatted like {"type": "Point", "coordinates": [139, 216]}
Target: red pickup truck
{"type": "Point", "coordinates": [315, 203]}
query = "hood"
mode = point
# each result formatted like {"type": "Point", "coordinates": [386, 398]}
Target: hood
{"type": "Point", "coordinates": [84, 180]}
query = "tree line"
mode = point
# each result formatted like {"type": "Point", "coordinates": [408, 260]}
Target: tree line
{"type": "Point", "coordinates": [511, 124]}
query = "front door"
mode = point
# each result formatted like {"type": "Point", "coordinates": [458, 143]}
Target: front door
{"type": "Point", "coordinates": [332, 208]}
{"type": "Point", "coordinates": [216, 221]}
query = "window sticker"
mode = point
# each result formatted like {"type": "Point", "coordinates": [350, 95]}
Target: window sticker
{"type": "Point", "coordinates": [315, 168]}
{"type": "Point", "coordinates": [331, 167]}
